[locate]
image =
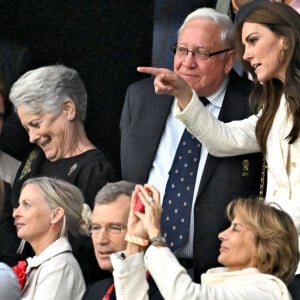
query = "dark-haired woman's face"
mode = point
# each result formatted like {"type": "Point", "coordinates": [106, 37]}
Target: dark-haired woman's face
{"type": "Point", "coordinates": [264, 51]}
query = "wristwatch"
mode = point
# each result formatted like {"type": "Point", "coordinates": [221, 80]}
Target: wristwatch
{"type": "Point", "coordinates": [159, 241]}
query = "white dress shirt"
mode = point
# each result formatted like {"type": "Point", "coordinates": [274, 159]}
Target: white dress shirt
{"type": "Point", "coordinates": [165, 154]}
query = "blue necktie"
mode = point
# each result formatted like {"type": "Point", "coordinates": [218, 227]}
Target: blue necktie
{"type": "Point", "coordinates": [179, 191]}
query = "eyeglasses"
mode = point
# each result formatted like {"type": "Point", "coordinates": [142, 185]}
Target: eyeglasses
{"type": "Point", "coordinates": [199, 53]}
{"type": "Point", "coordinates": [113, 228]}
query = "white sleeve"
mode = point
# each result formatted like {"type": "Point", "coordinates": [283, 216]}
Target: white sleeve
{"type": "Point", "coordinates": [130, 277]}
{"type": "Point", "coordinates": [220, 139]}
{"type": "Point", "coordinates": [175, 284]}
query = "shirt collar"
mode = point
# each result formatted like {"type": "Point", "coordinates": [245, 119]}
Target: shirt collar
{"type": "Point", "coordinates": [217, 97]}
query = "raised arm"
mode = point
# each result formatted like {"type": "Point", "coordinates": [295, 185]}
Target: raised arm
{"type": "Point", "coordinates": [167, 82]}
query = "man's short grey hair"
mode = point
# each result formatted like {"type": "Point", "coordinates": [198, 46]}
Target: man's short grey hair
{"type": "Point", "coordinates": [112, 190]}
{"type": "Point", "coordinates": [220, 19]}
{"type": "Point", "coordinates": [45, 89]}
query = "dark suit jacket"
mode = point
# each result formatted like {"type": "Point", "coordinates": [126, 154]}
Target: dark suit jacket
{"type": "Point", "coordinates": [97, 290]}
{"type": "Point", "coordinates": [142, 123]}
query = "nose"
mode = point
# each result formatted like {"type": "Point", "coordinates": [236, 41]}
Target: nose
{"type": "Point", "coordinates": [33, 135]}
{"type": "Point", "coordinates": [101, 237]}
{"type": "Point", "coordinates": [190, 59]}
{"type": "Point", "coordinates": [247, 53]}
{"type": "Point", "coordinates": [222, 235]}
{"type": "Point", "coordinates": [16, 212]}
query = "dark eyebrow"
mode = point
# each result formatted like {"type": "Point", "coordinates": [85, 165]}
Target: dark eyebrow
{"type": "Point", "coordinates": [249, 36]}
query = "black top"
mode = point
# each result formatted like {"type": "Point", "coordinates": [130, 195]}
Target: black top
{"type": "Point", "coordinates": [89, 171]}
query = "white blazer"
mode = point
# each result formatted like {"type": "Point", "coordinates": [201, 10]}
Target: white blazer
{"type": "Point", "coordinates": [238, 137]}
{"type": "Point", "coordinates": [54, 274]}
{"type": "Point", "coordinates": [175, 284]}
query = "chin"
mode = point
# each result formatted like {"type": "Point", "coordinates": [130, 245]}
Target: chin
{"type": "Point", "coordinates": [51, 158]}
{"type": "Point", "coordinates": [220, 259]}
{"type": "Point", "coordinates": [106, 266]}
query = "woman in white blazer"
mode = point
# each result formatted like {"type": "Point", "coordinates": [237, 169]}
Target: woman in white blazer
{"type": "Point", "coordinates": [267, 41]}
{"type": "Point", "coordinates": [48, 210]}
{"type": "Point", "coordinates": [259, 251]}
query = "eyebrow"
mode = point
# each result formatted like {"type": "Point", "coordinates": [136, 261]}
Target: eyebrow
{"type": "Point", "coordinates": [34, 121]}
{"type": "Point", "coordinates": [185, 46]}
{"type": "Point", "coordinates": [249, 36]}
{"type": "Point", "coordinates": [237, 225]}
{"type": "Point", "coordinates": [110, 223]}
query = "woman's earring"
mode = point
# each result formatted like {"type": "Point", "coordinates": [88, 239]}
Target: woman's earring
{"type": "Point", "coordinates": [53, 226]}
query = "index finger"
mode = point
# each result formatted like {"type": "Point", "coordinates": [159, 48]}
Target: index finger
{"type": "Point", "coordinates": [152, 70]}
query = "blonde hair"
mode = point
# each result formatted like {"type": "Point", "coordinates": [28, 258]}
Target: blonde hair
{"type": "Point", "coordinates": [276, 236]}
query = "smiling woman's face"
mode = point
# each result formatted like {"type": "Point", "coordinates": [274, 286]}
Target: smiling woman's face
{"type": "Point", "coordinates": [50, 131]}
{"type": "Point", "coordinates": [237, 249]}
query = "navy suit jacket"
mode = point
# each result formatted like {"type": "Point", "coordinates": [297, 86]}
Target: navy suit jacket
{"type": "Point", "coordinates": [142, 123]}
{"type": "Point", "coordinates": [97, 290]}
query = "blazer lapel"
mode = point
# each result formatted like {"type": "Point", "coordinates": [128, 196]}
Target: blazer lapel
{"type": "Point", "coordinates": [230, 110]}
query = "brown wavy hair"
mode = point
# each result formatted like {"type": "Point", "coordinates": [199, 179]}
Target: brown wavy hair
{"type": "Point", "coordinates": [284, 21]}
{"type": "Point", "coordinates": [275, 234]}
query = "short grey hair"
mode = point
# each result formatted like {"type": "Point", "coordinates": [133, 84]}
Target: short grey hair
{"type": "Point", "coordinates": [60, 193]}
{"type": "Point", "coordinates": [45, 89]}
{"type": "Point", "coordinates": [112, 190]}
{"type": "Point", "coordinates": [220, 19]}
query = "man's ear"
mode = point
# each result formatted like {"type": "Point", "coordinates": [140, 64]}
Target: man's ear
{"type": "Point", "coordinates": [69, 109]}
{"type": "Point", "coordinates": [231, 55]}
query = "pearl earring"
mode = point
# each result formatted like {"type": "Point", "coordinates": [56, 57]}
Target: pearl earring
{"type": "Point", "coordinates": [53, 226]}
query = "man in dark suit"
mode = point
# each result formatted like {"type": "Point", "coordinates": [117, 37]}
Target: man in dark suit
{"type": "Point", "coordinates": [108, 230]}
{"type": "Point", "coordinates": [203, 56]}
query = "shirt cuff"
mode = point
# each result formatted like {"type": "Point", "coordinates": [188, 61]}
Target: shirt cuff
{"type": "Point", "coordinates": [194, 100]}
{"type": "Point", "coordinates": [124, 266]}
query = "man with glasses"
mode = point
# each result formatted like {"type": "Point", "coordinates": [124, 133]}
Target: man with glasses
{"type": "Point", "coordinates": [108, 230]}
{"type": "Point", "coordinates": [150, 135]}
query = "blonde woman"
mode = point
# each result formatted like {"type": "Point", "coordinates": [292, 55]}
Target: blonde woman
{"type": "Point", "coordinates": [48, 210]}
